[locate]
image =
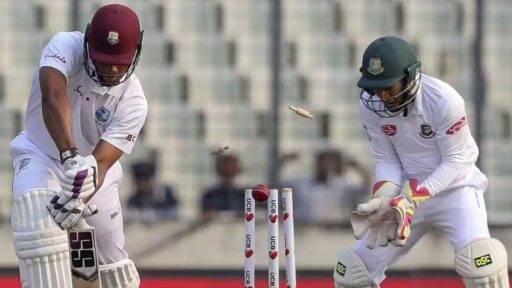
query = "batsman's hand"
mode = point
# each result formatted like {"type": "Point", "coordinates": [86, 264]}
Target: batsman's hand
{"type": "Point", "coordinates": [376, 216]}
{"type": "Point", "coordinates": [66, 214]}
{"type": "Point", "coordinates": [404, 206]}
{"type": "Point", "coordinates": [80, 176]}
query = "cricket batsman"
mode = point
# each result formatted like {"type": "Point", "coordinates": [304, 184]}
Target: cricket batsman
{"type": "Point", "coordinates": [425, 173]}
{"type": "Point", "coordinates": [85, 111]}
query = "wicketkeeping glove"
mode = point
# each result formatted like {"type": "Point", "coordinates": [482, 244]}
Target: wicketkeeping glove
{"type": "Point", "coordinates": [376, 216]}
{"type": "Point", "coordinates": [404, 205]}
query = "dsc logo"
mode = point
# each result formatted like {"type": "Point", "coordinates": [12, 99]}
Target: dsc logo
{"type": "Point", "coordinates": [483, 261]}
{"type": "Point", "coordinates": [341, 269]}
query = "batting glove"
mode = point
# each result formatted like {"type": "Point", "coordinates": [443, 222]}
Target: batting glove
{"type": "Point", "coordinates": [376, 216]}
{"type": "Point", "coordinates": [66, 215]}
{"type": "Point", "coordinates": [404, 205]}
{"type": "Point", "coordinates": [80, 176]}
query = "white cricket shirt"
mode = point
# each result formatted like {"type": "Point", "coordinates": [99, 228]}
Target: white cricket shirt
{"type": "Point", "coordinates": [115, 114]}
{"type": "Point", "coordinates": [432, 143]}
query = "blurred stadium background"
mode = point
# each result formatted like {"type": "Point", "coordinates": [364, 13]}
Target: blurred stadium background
{"type": "Point", "coordinates": [208, 70]}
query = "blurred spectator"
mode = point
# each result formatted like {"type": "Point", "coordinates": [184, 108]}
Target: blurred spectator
{"type": "Point", "coordinates": [151, 201]}
{"type": "Point", "coordinates": [225, 197]}
{"type": "Point", "coordinates": [330, 194]}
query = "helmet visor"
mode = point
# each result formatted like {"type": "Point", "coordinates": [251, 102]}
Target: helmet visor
{"type": "Point", "coordinates": [370, 84]}
{"type": "Point", "coordinates": [124, 59]}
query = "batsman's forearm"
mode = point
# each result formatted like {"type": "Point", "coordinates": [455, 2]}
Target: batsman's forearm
{"type": "Point", "coordinates": [57, 118]}
{"type": "Point", "coordinates": [56, 107]}
{"type": "Point", "coordinates": [106, 155]}
{"type": "Point", "coordinates": [102, 172]}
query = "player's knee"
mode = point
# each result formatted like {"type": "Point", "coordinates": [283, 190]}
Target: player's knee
{"type": "Point", "coordinates": [483, 263]}
{"type": "Point", "coordinates": [35, 233]}
{"type": "Point", "coordinates": [40, 245]}
{"type": "Point", "coordinates": [122, 274]}
{"type": "Point", "coordinates": [350, 271]}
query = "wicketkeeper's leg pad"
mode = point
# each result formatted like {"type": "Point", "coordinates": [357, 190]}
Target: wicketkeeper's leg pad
{"type": "Point", "coordinates": [350, 271]}
{"type": "Point", "coordinates": [41, 246]}
{"type": "Point", "coordinates": [121, 274]}
{"type": "Point", "coordinates": [483, 264]}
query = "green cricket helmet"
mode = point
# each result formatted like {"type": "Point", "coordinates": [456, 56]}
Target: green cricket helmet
{"type": "Point", "coordinates": [386, 61]}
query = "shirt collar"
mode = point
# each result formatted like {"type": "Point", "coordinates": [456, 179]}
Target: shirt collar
{"type": "Point", "coordinates": [115, 91]}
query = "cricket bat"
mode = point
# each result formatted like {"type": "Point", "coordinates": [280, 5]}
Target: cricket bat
{"type": "Point", "coordinates": [83, 256]}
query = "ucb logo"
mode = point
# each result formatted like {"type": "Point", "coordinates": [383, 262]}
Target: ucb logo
{"type": "Point", "coordinates": [483, 261]}
{"type": "Point", "coordinates": [341, 269]}
{"type": "Point", "coordinates": [272, 279]}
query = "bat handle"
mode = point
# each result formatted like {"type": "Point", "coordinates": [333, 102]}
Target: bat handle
{"type": "Point", "coordinates": [90, 210]}
{"type": "Point", "coordinates": [81, 224]}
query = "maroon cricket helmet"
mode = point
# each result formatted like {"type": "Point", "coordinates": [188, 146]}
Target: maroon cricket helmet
{"type": "Point", "coordinates": [114, 38]}
{"type": "Point", "coordinates": [114, 35]}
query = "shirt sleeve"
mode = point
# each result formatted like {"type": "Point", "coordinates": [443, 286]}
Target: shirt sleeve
{"type": "Point", "coordinates": [387, 163]}
{"type": "Point", "coordinates": [128, 120]}
{"type": "Point", "coordinates": [456, 145]}
{"type": "Point", "coordinates": [61, 53]}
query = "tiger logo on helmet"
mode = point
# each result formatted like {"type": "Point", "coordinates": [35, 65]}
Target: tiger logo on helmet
{"type": "Point", "coordinates": [386, 61]}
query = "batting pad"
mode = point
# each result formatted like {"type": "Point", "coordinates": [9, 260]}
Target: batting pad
{"type": "Point", "coordinates": [41, 246]}
{"type": "Point", "coordinates": [350, 271]}
{"type": "Point", "coordinates": [121, 274]}
{"type": "Point", "coordinates": [483, 264]}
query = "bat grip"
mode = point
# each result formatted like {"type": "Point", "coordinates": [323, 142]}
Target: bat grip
{"type": "Point", "coordinates": [81, 224]}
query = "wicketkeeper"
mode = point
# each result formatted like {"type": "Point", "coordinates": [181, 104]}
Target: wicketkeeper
{"type": "Point", "coordinates": [425, 174]}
